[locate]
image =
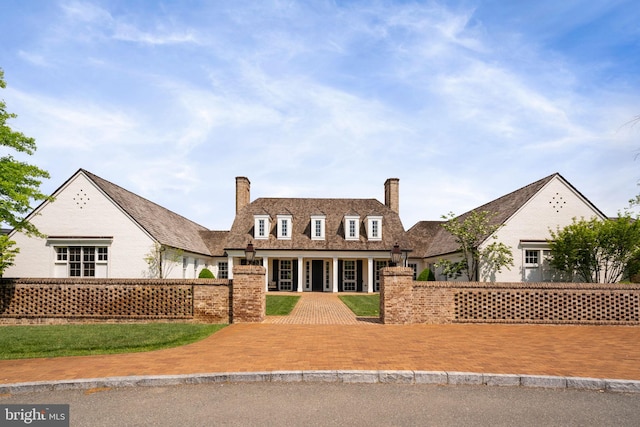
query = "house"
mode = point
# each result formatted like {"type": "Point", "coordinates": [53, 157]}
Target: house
{"type": "Point", "coordinates": [307, 244]}
{"type": "Point", "coordinates": [95, 228]}
{"type": "Point", "coordinates": [525, 216]}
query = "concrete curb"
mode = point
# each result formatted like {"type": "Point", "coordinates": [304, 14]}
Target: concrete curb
{"type": "Point", "coordinates": [363, 377]}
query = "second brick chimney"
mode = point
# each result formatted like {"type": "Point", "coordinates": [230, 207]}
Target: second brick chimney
{"type": "Point", "coordinates": [392, 194]}
{"type": "Point", "coordinates": [243, 192]}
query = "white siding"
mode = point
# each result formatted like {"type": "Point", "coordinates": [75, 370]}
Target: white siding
{"type": "Point", "coordinates": [553, 206]}
{"type": "Point", "coordinates": [81, 209]}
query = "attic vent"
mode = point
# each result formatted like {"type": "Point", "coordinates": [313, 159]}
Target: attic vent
{"type": "Point", "coordinates": [81, 199]}
{"type": "Point", "coordinates": [557, 202]}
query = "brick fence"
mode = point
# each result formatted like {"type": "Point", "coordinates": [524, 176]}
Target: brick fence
{"type": "Point", "coordinates": [404, 301]}
{"type": "Point", "coordinates": [50, 301]}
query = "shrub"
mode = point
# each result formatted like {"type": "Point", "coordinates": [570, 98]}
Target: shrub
{"type": "Point", "coordinates": [426, 275]}
{"type": "Point", "coordinates": [205, 273]}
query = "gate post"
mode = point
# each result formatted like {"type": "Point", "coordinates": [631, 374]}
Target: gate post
{"type": "Point", "coordinates": [396, 295]}
{"type": "Point", "coordinates": [248, 296]}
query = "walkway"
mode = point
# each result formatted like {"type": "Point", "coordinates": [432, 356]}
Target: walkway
{"type": "Point", "coordinates": [318, 308]}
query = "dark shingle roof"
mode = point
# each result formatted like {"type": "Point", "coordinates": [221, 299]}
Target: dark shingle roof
{"type": "Point", "coordinates": [301, 210]}
{"type": "Point", "coordinates": [167, 227]}
{"type": "Point", "coordinates": [501, 209]}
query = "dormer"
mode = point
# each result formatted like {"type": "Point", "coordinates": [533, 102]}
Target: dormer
{"type": "Point", "coordinates": [262, 226]}
{"type": "Point", "coordinates": [374, 227]}
{"type": "Point", "coordinates": [285, 226]}
{"type": "Point", "coordinates": [318, 226]}
{"type": "Point", "coordinates": [352, 227]}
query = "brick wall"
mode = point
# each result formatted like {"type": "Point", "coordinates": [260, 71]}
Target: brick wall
{"type": "Point", "coordinates": [24, 301]}
{"type": "Point", "coordinates": [406, 301]}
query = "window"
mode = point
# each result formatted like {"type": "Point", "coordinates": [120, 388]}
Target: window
{"type": "Point", "coordinates": [286, 275]}
{"type": "Point", "coordinates": [261, 226]}
{"type": "Point", "coordinates": [61, 254]}
{"type": "Point", "coordinates": [80, 260]}
{"type": "Point", "coordinates": [317, 227]}
{"type": "Point", "coordinates": [352, 227]}
{"type": "Point", "coordinates": [379, 265]}
{"type": "Point", "coordinates": [414, 267]}
{"type": "Point", "coordinates": [103, 254]}
{"type": "Point", "coordinates": [223, 270]}
{"type": "Point", "coordinates": [531, 258]}
{"type": "Point", "coordinates": [80, 257]}
{"type": "Point", "coordinates": [374, 227]}
{"type": "Point", "coordinates": [284, 226]}
{"type": "Point", "coordinates": [349, 276]}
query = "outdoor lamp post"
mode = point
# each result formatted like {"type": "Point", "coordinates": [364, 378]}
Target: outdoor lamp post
{"type": "Point", "coordinates": [396, 255]}
{"type": "Point", "coordinates": [250, 253]}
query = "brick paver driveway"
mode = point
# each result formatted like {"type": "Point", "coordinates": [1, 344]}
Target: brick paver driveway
{"type": "Point", "coordinates": [583, 351]}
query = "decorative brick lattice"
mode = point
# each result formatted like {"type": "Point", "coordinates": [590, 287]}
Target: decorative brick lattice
{"type": "Point", "coordinates": [114, 301]}
{"type": "Point", "coordinates": [547, 306]}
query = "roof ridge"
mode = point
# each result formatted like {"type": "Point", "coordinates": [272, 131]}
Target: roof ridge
{"type": "Point", "coordinates": [94, 176]}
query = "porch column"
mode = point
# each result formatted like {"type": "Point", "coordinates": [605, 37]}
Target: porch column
{"type": "Point", "coordinates": [265, 264]}
{"type": "Point", "coordinates": [370, 275]}
{"type": "Point", "coordinates": [300, 273]}
{"type": "Point", "coordinates": [334, 284]}
{"type": "Point", "coordinates": [230, 266]}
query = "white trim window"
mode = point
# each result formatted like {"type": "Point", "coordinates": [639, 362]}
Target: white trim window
{"type": "Point", "coordinates": [284, 226]}
{"type": "Point", "coordinates": [82, 261]}
{"type": "Point", "coordinates": [286, 275]}
{"type": "Point", "coordinates": [531, 258]}
{"type": "Point", "coordinates": [349, 276]}
{"type": "Point", "coordinates": [374, 228]}
{"type": "Point", "coordinates": [379, 265]}
{"type": "Point", "coordinates": [318, 227]}
{"type": "Point", "coordinates": [223, 270]}
{"type": "Point", "coordinates": [262, 226]}
{"type": "Point", "coordinates": [352, 227]}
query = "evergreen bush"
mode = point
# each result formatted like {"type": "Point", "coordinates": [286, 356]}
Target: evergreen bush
{"type": "Point", "coordinates": [205, 273]}
{"type": "Point", "coordinates": [426, 275]}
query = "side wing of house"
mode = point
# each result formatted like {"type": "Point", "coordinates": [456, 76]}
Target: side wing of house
{"type": "Point", "coordinates": [87, 235]}
{"type": "Point", "coordinates": [526, 232]}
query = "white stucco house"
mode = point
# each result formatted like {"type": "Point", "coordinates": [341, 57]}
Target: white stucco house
{"type": "Point", "coordinates": [526, 217]}
{"type": "Point", "coordinates": [95, 228]}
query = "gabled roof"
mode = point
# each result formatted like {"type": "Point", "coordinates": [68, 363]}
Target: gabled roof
{"type": "Point", "coordinates": [167, 227]}
{"type": "Point", "coordinates": [440, 242]}
{"type": "Point", "coordinates": [301, 210]}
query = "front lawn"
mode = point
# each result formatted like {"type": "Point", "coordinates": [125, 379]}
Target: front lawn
{"type": "Point", "coordinates": [281, 305]}
{"type": "Point", "coordinates": [363, 305]}
{"type": "Point", "coordinates": [23, 342]}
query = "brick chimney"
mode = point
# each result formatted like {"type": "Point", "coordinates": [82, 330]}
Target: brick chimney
{"type": "Point", "coordinates": [243, 192]}
{"type": "Point", "coordinates": [392, 194]}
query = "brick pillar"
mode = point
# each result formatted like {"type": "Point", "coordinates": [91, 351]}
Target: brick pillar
{"type": "Point", "coordinates": [248, 295]}
{"type": "Point", "coordinates": [396, 295]}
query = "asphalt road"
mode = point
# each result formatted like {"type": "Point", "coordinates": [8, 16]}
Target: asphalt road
{"type": "Point", "coordinates": [315, 404]}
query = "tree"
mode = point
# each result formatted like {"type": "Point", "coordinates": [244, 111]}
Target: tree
{"type": "Point", "coordinates": [596, 251]}
{"type": "Point", "coordinates": [161, 260]}
{"type": "Point", "coordinates": [470, 231]}
{"type": "Point", "coordinates": [19, 183]}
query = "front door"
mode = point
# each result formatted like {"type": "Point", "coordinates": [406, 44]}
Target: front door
{"type": "Point", "coordinates": [317, 275]}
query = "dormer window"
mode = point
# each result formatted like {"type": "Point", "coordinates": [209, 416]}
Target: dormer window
{"type": "Point", "coordinates": [261, 227]}
{"type": "Point", "coordinates": [317, 227]}
{"type": "Point", "coordinates": [352, 227]}
{"type": "Point", "coordinates": [284, 227]}
{"type": "Point", "coordinates": [374, 227]}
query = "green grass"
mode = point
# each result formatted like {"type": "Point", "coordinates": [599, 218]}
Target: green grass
{"type": "Point", "coordinates": [280, 305]}
{"type": "Point", "coordinates": [23, 342]}
{"type": "Point", "coordinates": [362, 305]}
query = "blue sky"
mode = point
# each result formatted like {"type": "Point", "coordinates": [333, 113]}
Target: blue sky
{"type": "Point", "coordinates": [463, 101]}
